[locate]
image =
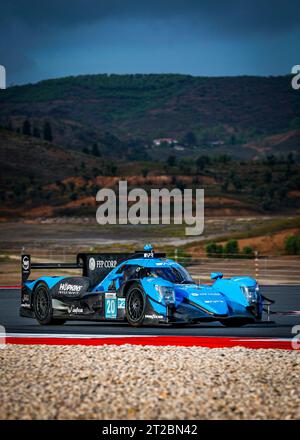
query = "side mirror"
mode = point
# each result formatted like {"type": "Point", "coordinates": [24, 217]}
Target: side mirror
{"type": "Point", "coordinates": [216, 275]}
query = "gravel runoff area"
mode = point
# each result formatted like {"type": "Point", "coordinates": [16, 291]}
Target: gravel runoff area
{"type": "Point", "coordinates": [143, 382]}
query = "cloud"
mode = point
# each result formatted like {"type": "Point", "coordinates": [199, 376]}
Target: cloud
{"type": "Point", "coordinates": [33, 31]}
{"type": "Point", "coordinates": [240, 16]}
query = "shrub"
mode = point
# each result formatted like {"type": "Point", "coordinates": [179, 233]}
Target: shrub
{"type": "Point", "coordinates": [214, 250]}
{"type": "Point", "coordinates": [47, 131]}
{"type": "Point", "coordinates": [248, 251]}
{"type": "Point", "coordinates": [73, 196]}
{"type": "Point", "coordinates": [171, 161]}
{"type": "Point", "coordinates": [292, 245]}
{"type": "Point", "coordinates": [231, 248]}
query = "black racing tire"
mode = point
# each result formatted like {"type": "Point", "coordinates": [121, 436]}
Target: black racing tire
{"type": "Point", "coordinates": [42, 306]}
{"type": "Point", "coordinates": [135, 305]}
{"type": "Point", "coordinates": [235, 322]}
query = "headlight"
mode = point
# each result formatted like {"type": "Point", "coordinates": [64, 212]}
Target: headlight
{"type": "Point", "coordinates": [166, 293]}
{"type": "Point", "coordinates": [250, 293]}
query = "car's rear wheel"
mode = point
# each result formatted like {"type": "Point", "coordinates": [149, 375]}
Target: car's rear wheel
{"type": "Point", "coordinates": [42, 306]}
{"type": "Point", "coordinates": [135, 305]}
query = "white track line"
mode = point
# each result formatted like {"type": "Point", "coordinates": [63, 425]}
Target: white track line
{"type": "Point", "coordinates": [91, 336]}
{"type": "Point", "coordinates": [72, 336]}
{"type": "Point", "coordinates": [241, 339]}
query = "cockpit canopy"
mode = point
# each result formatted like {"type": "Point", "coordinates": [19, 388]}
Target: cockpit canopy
{"type": "Point", "coordinates": [175, 274]}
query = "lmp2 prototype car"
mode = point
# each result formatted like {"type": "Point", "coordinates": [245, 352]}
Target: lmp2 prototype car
{"type": "Point", "coordinates": [144, 288]}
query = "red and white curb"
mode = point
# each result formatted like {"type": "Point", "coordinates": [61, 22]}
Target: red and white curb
{"type": "Point", "coordinates": [152, 340]}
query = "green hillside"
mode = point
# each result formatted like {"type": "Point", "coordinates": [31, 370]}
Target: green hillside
{"type": "Point", "coordinates": [39, 178]}
{"type": "Point", "coordinates": [123, 113]}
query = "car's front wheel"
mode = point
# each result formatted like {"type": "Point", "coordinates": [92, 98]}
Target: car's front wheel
{"type": "Point", "coordinates": [42, 306]}
{"type": "Point", "coordinates": [135, 305]}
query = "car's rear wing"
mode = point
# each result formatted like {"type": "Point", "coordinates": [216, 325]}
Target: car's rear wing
{"type": "Point", "coordinates": [27, 265]}
{"type": "Point", "coordinates": [95, 266]}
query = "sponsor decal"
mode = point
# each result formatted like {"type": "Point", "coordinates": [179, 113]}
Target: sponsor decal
{"type": "Point", "coordinates": [205, 294]}
{"type": "Point", "coordinates": [121, 303]}
{"type": "Point", "coordinates": [25, 305]}
{"type": "Point", "coordinates": [148, 254]}
{"type": "Point", "coordinates": [108, 264]}
{"type": "Point", "coordinates": [110, 295]}
{"type": "Point", "coordinates": [69, 288]}
{"type": "Point", "coordinates": [110, 305]}
{"type": "Point", "coordinates": [26, 298]}
{"type": "Point", "coordinates": [75, 310]}
{"type": "Point", "coordinates": [92, 263]}
{"type": "Point", "coordinates": [154, 316]}
{"type": "Point", "coordinates": [25, 263]}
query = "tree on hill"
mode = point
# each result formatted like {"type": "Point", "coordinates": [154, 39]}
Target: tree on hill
{"type": "Point", "coordinates": [47, 131]}
{"type": "Point", "coordinates": [295, 123]}
{"type": "Point", "coordinates": [95, 150]}
{"type": "Point", "coordinates": [232, 139]}
{"type": "Point", "coordinates": [248, 251]}
{"type": "Point", "coordinates": [223, 158]}
{"type": "Point", "coordinates": [190, 139]}
{"type": "Point", "coordinates": [237, 183]}
{"type": "Point", "coordinates": [271, 160]}
{"type": "Point", "coordinates": [214, 250]}
{"type": "Point", "coordinates": [26, 129]}
{"type": "Point", "coordinates": [9, 126]}
{"type": "Point", "coordinates": [224, 186]}
{"type": "Point", "coordinates": [145, 172]}
{"type": "Point", "coordinates": [231, 248]}
{"type": "Point", "coordinates": [171, 161]}
{"type": "Point", "coordinates": [36, 132]}
{"type": "Point", "coordinates": [292, 245]}
{"type": "Point", "coordinates": [202, 161]}
{"type": "Point", "coordinates": [290, 158]}
{"type": "Point", "coordinates": [267, 177]}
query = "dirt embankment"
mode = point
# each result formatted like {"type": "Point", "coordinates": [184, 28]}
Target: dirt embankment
{"type": "Point", "coordinates": [267, 244]}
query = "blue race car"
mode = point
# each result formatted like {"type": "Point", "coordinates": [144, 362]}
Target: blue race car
{"type": "Point", "coordinates": [144, 288]}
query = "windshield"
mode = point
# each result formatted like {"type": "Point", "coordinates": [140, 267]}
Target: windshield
{"type": "Point", "coordinates": [176, 275]}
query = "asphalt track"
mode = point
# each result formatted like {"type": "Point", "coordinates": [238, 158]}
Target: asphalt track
{"type": "Point", "coordinates": [280, 326]}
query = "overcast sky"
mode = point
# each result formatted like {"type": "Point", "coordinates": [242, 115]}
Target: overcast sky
{"type": "Point", "coordinates": [42, 39]}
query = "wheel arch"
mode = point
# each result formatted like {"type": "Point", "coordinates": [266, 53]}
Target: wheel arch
{"type": "Point", "coordinates": [45, 282]}
{"type": "Point", "coordinates": [37, 283]}
{"type": "Point", "coordinates": [128, 284]}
